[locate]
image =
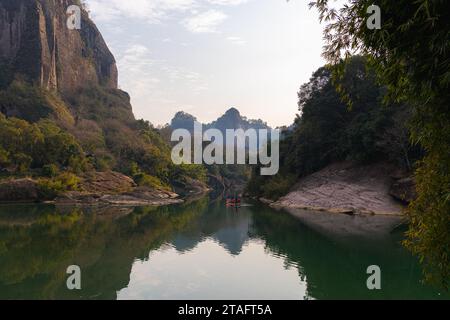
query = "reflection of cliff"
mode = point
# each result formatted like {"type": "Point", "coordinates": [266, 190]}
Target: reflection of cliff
{"type": "Point", "coordinates": [342, 226]}
{"type": "Point", "coordinates": [34, 257]}
{"type": "Point", "coordinates": [35, 252]}
{"type": "Point", "coordinates": [337, 270]}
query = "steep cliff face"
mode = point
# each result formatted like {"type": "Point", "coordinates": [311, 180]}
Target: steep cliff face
{"type": "Point", "coordinates": [36, 43]}
{"type": "Point", "coordinates": [63, 83]}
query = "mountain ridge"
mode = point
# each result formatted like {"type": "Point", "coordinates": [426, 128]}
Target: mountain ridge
{"type": "Point", "coordinates": [231, 119]}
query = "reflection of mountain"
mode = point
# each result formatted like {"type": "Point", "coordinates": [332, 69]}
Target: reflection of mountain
{"type": "Point", "coordinates": [34, 253]}
{"type": "Point", "coordinates": [184, 243]}
{"type": "Point", "coordinates": [234, 237]}
{"type": "Point", "coordinates": [230, 229]}
{"type": "Point", "coordinates": [34, 257]}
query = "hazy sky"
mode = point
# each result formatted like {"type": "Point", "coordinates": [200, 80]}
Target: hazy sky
{"type": "Point", "coordinates": [204, 56]}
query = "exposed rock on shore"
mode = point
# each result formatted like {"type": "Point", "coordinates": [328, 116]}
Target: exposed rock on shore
{"type": "Point", "coordinates": [106, 182]}
{"type": "Point", "coordinates": [21, 190]}
{"type": "Point", "coordinates": [96, 189]}
{"type": "Point", "coordinates": [137, 197]}
{"type": "Point", "coordinates": [345, 188]}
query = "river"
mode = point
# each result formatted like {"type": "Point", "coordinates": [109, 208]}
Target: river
{"type": "Point", "coordinates": [199, 250]}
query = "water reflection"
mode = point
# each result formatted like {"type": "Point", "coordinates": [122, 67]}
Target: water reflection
{"type": "Point", "coordinates": [199, 250]}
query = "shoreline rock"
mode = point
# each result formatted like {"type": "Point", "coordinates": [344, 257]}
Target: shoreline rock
{"type": "Point", "coordinates": [345, 188]}
{"type": "Point", "coordinates": [266, 201]}
{"type": "Point", "coordinates": [137, 197]}
{"type": "Point", "coordinates": [97, 189]}
{"type": "Point", "coordinates": [19, 190]}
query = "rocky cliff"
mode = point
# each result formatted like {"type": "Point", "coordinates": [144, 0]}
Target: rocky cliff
{"type": "Point", "coordinates": [63, 83]}
{"type": "Point", "coordinates": [36, 44]}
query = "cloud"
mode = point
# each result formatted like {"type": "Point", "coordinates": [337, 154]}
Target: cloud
{"type": "Point", "coordinates": [153, 11]}
{"type": "Point", "coordinates": [237, 41]}
{"type": "Point", "coordinates": [205, 22]}
{"type": "Point", "coordinates": [227, 2]}
{"type": "Point", "coordinates": [137, 63]}
{"type": "Point", "coordinates": [144, 75]}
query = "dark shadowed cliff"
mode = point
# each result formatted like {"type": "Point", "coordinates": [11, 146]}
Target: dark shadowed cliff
{"type": "Point", "coordinates": [36, 43]}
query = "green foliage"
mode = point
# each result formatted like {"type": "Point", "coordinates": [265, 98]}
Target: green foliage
{"type": "Point", "coordinates": [104, 163]}
{"type": "Point", "coordinates": [25, 146]}
{"type": "Point", "coordinates": [54, 141]}
{"type": "Point", "coordinates": [25, 101]}
{"type": "Point", "coordinates": [69, 181]}
{"type": "Point", "coordinates": [194, 171]}
{"type": "Point", "coordinates": [429, 232]}
{"type": "Point", "coordinates": [328, 130]}
{"type": "Point", "coordinates": [4, 158]}
{"type": "Point", "coordinates": [50, 170]}
{"type": "Point", "coordinates": [233, 172]}
{"type": "Point", "coordinates": [411, 57]}
{"type": "Point", "coordinates": [272, 187]}
{"type": "Point", "coordinates": [101, 104]}
{"type": "Point", "coordinates": [146, 180]}
{"type": "Point", "coordinates": [49, 189]}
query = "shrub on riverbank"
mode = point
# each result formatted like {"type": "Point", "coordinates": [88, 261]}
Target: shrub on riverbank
{"type": "Point", "coordinates": [49, 189]}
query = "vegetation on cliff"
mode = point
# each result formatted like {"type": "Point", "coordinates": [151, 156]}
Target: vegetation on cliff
{"type": "Point", "coordinates": [43, 135]}
{"type": "Point", "coordinates": [63, 114]}
{"type": "Point", "coordinates": [327, 130]}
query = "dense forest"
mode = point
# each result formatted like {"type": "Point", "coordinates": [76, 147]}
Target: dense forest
{"type": "Point", "coordinates": [327, 130]}
{"type": "Point", "coordinates": [397, 107]}
{"type": "Point", "coordinates": [410, 55]}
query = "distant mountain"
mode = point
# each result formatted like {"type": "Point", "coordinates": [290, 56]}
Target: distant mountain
{"type": "Point", "coordinates": [232, 119]}
{"type": "Point", "coordinates": [183, 120]}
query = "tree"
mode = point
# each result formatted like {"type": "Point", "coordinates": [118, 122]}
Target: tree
{"type": "Point", "coordinates": [410, 54]}
{"type": "Point", "coordinates": [327, 130]}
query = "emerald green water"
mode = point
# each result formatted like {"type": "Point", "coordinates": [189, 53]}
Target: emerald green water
{"type": "Point", "coordinates": [200, 250]}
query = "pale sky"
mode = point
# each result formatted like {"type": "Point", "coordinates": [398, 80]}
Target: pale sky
{"type": "Point", "coordinates": [205, 56]}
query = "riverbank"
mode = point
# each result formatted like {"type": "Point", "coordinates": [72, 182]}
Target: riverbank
{"type": "Point", "coordinates": [346, 188]}
{"type": "Point", "coordinates": [100, 189]}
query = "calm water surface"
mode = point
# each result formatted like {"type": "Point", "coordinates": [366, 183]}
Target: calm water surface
{"type": "Point", "coordinates": [200, 250]}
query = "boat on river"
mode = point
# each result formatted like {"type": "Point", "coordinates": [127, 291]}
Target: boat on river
{"type": "Point", "coordinates": [234, 202]}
